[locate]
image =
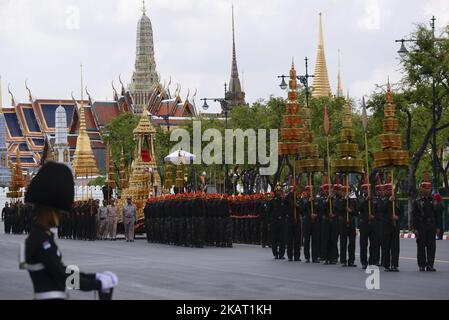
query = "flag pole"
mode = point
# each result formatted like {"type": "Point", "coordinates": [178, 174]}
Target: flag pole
{"type": "Point", "coordinates": [365, 128]}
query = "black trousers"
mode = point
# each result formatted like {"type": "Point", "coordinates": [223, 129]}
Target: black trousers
{"type": "Point", "coordinates": [8, 225]}
{"type": "Point", "coordinates": [347, 242]}
{"type": "Point", "coordinates": [369, 242]}
{"type": "Point", "coordinates": [311, 232]}
{"type": "Point", "coordinates": [294, 240]}
{"type": "Point", "coordinates": [426, 245]}
{"type": "Point", "coordinates": [265, 234]}
{"type": "Point", "coordinates": [278, 238]}
{"type": "Point", "coordinates": [332, 244]}
{"type": "Point", "coordinates": [324, 239]}
{"type": "Point", "coordinates": [390, 245]}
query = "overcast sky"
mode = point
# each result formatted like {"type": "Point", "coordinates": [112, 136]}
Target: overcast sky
{"type": "Point", "coordinates": [45, 41]}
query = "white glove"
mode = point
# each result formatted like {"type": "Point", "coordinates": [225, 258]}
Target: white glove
{"type": "Point", "coordinates": [107, 282]}
{"type": "Point", "coordinates": [113, 276]}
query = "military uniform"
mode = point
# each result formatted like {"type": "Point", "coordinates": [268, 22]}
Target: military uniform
{"type": "Point", "coordinates": [311, 228]}
{"type": "Point", "coordinates": [344, 208]}
{"type": "Point", "coordinates": [293, 228]}
{"type": "Point", "coordinates": [368, 234]}
{"type": "Point", "coordinates": [426, 219]}
{"type": "Point", "coordinates": [277, 215]}
{"type": "Point", "coordinates": [390, 233]}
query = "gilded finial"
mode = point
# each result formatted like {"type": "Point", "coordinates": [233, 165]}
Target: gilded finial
{"type": "Point", "coordinates": [13, 101]}
{"type": "Point", "coordinates": [30, 96]}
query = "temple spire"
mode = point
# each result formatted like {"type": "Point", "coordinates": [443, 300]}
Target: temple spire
{"type": "Point", "coordinates": [321, 86]}
{"type": "Point", "coordinates": [144, 8]}
{"type": "Point", "coordinates": [339, 83]}
{"type": "Point", "coordinates": [84, 163]}
{"type": "Point", "coordinates": [145, 77]}
{"type": "Point", "coordinates": [235, 95]}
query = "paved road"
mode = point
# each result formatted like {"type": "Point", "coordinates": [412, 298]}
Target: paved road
{"type": "Point", "coordinates": [243, 272]}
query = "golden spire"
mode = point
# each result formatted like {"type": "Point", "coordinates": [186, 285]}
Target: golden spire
{"type": "Point", "coordinates": [321, 86]}
{"type": "Point", "coordinates": [339, 84]}
{"type": "Point", "coordinates": [84, 161]}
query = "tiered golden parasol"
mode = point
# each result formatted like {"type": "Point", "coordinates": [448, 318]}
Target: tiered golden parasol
{"type": "Point", "coordinates": [392, 156]}
{"type": "Point", "coordinates": [291, 131]}
{"type": "Point", "coordinates": [347, 152]}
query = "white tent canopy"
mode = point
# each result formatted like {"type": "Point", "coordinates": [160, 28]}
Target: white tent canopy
{"type": "Point", "coordinates": [180, 156]}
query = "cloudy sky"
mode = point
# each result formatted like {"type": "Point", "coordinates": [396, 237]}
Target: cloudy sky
{"type": "Point", "coordinates": [45, 41]}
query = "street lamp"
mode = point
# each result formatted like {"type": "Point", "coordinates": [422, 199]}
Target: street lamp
{"type": "Point", "coordinates": [403, 52]}
{"type": "Point", "coordinates": [303, 79]}
{"type": "Point", "coordinates": [225, 109]}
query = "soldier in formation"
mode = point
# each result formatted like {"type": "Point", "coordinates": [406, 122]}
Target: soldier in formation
{"type": "Point", "coordinates": [190, 220]}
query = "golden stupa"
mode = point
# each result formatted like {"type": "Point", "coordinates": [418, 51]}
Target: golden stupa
{"type": "Point", "coordinates": [347, 151]}
{"type": "Point", "coordinates": [391, 142]}
{"type": "Point", "coordinates": [291, 131]}
{"type": "Point", "coordinates": [321, 86]}
{"type": "Point", "coordinates": [144, 177]}
{"type": "Point", "coordinates": [84, 164]}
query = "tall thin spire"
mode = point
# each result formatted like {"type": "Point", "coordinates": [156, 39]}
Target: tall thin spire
{"type": "Point", "coordinates": [321, 86]}
{"type": "Point", "coordinates": [84, 163]}
{"type": "Point", "coordinates": [235, 95]}
{"type": "Point", "coordinates": [144, 8]}
{"type": "Point", "coordinates": [339, 84]}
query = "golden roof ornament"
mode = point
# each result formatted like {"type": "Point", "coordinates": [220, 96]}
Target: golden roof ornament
{"type": "Point", "coordinates": [347, 151]}
{"type": "Point", "coordinates": [83, 160]}
{"type": "Point", "coordinates": [392, 154]}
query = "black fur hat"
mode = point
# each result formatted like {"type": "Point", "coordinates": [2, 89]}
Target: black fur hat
{"type": "Point", "coordinates": [53, 187]}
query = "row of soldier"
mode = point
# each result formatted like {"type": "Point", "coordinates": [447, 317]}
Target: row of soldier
{"type": "Point", "coordinates": [325, 226]}
{"type": "Point", "coordinates": [16, 217]}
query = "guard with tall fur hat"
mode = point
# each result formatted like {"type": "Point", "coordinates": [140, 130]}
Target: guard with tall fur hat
{"type": "Point", "coordinates": [50, 192]}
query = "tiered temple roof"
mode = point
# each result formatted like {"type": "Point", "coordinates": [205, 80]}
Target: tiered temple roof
{"type": "Point", "coordinates": [27, 124]}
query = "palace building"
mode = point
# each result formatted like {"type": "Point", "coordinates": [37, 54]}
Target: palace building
{"type": "Point", "coordinates": [31, 127]}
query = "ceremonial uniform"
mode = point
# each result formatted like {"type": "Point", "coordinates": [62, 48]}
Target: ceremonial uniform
{"type": "Point", "coordinates": [103, 218]}
{"type": "Point", "coordinates": [129, 214]}
{"type": "Point", "coordinates": [112, 221]}
{"type": "Point", "coordinates": [311, 229]}
{"type": "Point", "coordinates": [277, 215]}
{"type": "Point", "coordinates": [426, 213]}
{"type": "Point", "coordinates": [40, 255]}
{"type": "Point", "coordinates": [368, 234]}
{"type": "Point", "coordinates": [293, 224]}
{"type": "Point", "coordinates": [390, 234]}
